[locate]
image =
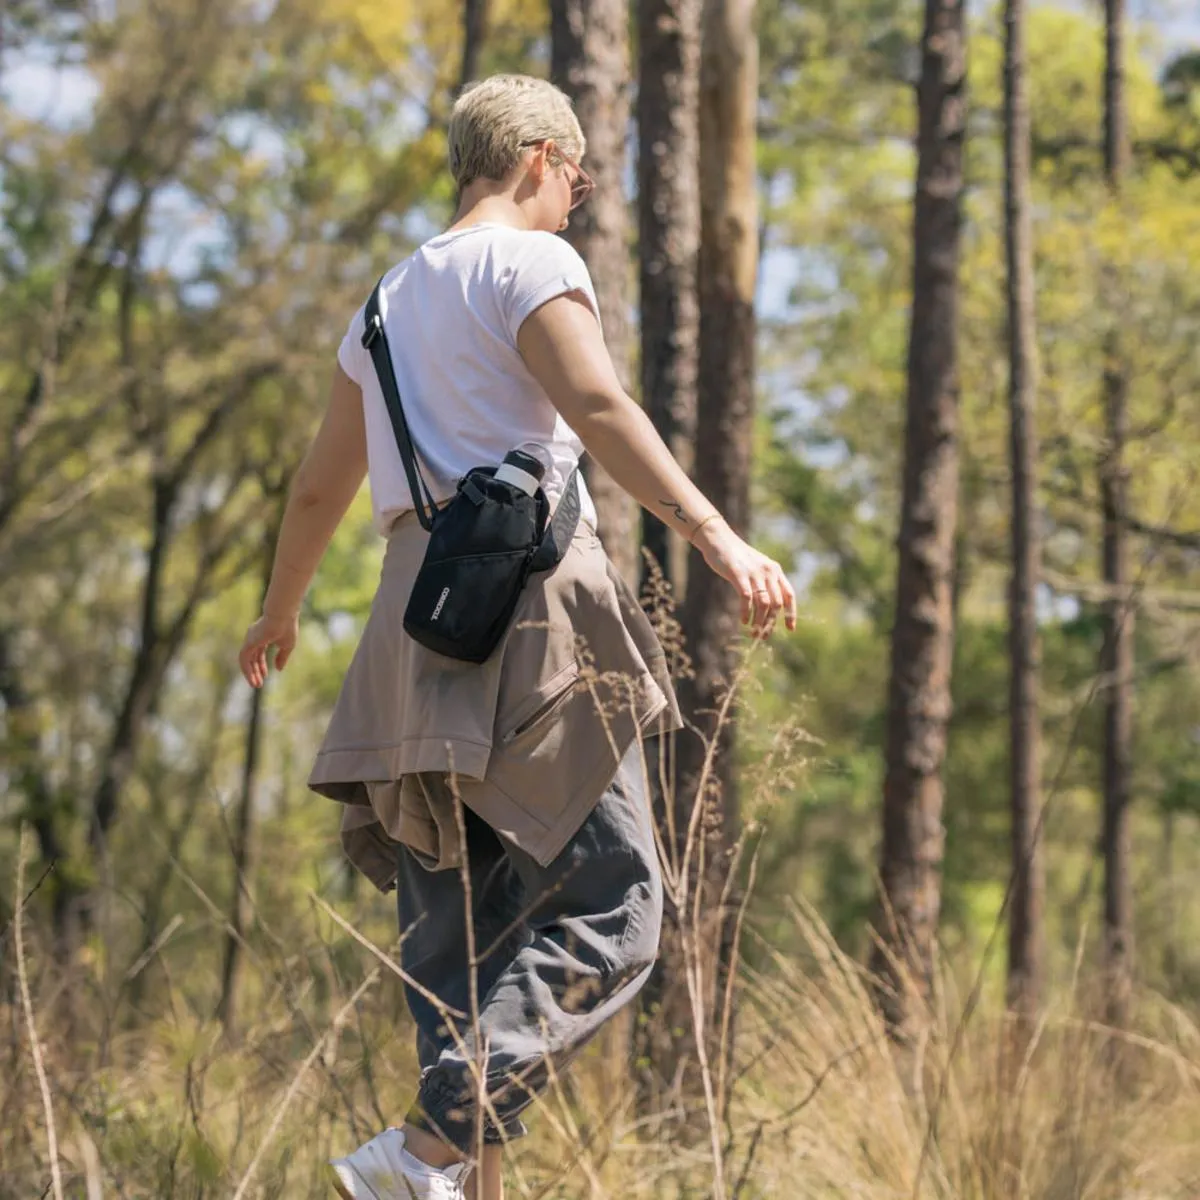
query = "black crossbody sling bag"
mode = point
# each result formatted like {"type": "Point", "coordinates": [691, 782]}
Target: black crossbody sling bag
{"type": "Point", "coordinates": [484, 543]}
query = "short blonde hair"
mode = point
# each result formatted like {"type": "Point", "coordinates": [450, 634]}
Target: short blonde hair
{"type": "Point", "coordinates": [492, 121]}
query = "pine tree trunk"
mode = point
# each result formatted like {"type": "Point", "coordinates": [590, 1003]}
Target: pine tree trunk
{"type": "Point", "coordinates": [669, 240]}
{"type": "Point", "coordinates": [1117, 654]}
{"type": "Point", "coordinates": [710, 617]}
{"type": "Point", "coordinates": [1025, 918]}
{"type": "Point", "coordinates": [923, 635]}
{"type": "Point", "coordinates": [475, 17]}
{"type": "Point", "coordinates": [589, 60]}
{"type": "Point", "coordinates": [475, 21]}
{"type": "Point", "coordinates": [669, 244]}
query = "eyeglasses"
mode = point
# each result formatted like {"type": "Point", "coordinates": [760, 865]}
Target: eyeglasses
{"type": "Point", "coordinates": [582, 186]}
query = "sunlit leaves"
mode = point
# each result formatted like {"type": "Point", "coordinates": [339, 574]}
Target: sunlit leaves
{"type": "Point", "coordinates": [837, 156]}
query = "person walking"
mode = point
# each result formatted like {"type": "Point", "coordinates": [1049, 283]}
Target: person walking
{"type": "Point", "coordinates": [502, 800]}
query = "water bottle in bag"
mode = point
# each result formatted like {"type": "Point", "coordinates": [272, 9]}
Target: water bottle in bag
{"type": "Point", "coordinates": [525, 466]}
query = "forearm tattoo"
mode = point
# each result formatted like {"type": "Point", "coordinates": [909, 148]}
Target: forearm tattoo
{"type": "Point", "coordinates": [677, 509]}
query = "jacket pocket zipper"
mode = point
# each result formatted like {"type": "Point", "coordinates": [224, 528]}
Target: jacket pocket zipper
{"type": "Point", "coordinates": [544, 712]}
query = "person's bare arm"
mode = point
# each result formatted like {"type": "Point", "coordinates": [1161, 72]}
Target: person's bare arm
{"type": "Point", "coordinates": [562, 345]}
{"type": "Point", "coordinates": [321, 492]}
{"type": "Point", "coordinates": [564, 349]}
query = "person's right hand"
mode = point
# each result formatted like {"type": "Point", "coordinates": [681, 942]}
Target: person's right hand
{"type": "Point", "coordinates": [761, 582]}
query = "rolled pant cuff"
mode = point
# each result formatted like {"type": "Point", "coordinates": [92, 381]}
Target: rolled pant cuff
{"type": "Point", "coordinates": [444, 1111]}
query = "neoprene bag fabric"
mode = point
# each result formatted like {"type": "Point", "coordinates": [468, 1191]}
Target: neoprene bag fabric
{"type": "Point", "coordinates": [478, 561]}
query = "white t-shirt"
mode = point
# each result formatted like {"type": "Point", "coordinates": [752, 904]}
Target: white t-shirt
{"type": "Point", "coordinates": [451, 312]}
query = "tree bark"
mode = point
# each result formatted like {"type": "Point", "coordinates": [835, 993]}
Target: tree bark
{"type": "Point", "coordinates": [589, 60]}
{"type": "Point", "coordinates": [1025, 936]}
{"type": "Point", "coordinates": [1170, 959]}
{"type": "Point", "coordinates": [475, 23]}
{"type": "Point", "coordinates": [669, 245]}
{"type": "Point", "coordinates": [243, 832]}
{"type": "Point", "coordinates": [145, 679]}
{"type": "Point", "coordinates": [923, 635]}
{"type": "Point", "coordinates": [1116, 132]}
{"type": "Point", "coordinates": [1117, 654]}
{"type": "Point", "coordinates": [669, 241]}
{"type": "Point", "coordinates": [26, 768]}
{"type": "Point", "coordinates": [239, 905]}
{"type": "Point", "coordinates": [711, 612]}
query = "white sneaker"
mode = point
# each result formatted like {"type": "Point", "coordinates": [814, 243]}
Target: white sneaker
{"type": "Point", "coordinates": [383, 1169]}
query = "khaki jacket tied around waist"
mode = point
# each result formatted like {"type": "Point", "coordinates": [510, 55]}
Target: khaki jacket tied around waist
{"type": "Point", "coordinates": [529, 740]}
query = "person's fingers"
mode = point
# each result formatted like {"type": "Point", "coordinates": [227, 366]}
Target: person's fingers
{"type": "Point", "coordinates": [283, 652]}
{"type": "Point", "coordinates": [763, 601]}
{"type": "Point", "coordinates": [253, 660]}
{"type": "Point", "coordinates": [246, 662]}
{"type": "Point", "coordinates": [765, 591]}
{"type": "Point", "coordinates": [789, 600]}
{"type": "Point", "coordinates": [759, 598]}
{"type": "Point", "coordinates": [775, 584]}
{"type": "Point", "coordinates": [745, 587]}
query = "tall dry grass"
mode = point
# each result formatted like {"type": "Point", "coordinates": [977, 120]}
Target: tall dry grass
{"type": "Point", "coordinates": [118, 1098]}
{"type": "Point", "coordinates": [822, 1105]}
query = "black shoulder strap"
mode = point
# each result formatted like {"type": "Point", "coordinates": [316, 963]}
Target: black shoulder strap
{"type": "Point", "coordinates": [375, 340]}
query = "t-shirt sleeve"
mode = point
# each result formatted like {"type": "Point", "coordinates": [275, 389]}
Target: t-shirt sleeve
{"type": "Point", "coordinates": [542, 267]}
{"type": "Point", "coordinates": [351, 355]}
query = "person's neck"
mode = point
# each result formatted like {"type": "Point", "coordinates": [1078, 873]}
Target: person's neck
{"type": "Point", "coordinates": [489, 210]}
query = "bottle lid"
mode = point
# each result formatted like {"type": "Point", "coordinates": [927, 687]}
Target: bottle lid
{"type": "Point", "coordinates": [526, 459]}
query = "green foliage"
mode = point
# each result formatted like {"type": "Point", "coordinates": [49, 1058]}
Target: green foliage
{"type": "Point", "coordinates": [837, 156]}
{"type": "Point", "coordinates": [179, 259]}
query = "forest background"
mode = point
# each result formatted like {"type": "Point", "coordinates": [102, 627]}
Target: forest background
{"type": "Point", "coordinates": [196, 195]}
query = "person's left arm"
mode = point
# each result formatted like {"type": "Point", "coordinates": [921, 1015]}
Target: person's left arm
{"type": "Point", "coordinates": [324, 486]}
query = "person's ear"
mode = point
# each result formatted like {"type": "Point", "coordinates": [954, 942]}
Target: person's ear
{"type": "Point", "coordinates": [539, 164]}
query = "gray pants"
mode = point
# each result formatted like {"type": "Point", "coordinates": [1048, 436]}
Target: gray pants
{"type": "Point", "coordinates": [559, 950]}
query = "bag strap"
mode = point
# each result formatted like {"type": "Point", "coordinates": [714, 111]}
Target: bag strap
{"type": "Point", "coordinates": [561, 528]}
{"type": "Point", "coordinates": [374, 340]}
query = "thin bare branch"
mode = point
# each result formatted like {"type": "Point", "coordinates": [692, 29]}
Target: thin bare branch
{"type": "Point", "coordinates": [35, 1049]}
